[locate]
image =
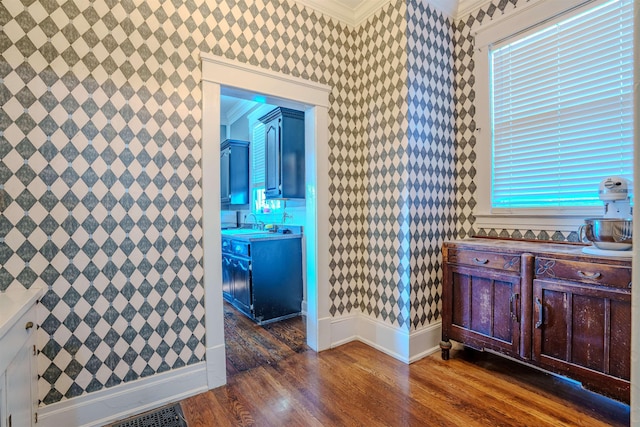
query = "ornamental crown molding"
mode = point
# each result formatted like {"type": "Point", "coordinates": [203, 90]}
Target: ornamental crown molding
{"type": "Point", "coordinates": [355, 12]}
{"type": "Point", "coordinates": [465, 7]}
{"type": "Point", "coordinates": [351, 12]}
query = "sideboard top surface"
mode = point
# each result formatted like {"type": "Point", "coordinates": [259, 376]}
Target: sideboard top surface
{"type": "Point", "coordinates": [538, 248]}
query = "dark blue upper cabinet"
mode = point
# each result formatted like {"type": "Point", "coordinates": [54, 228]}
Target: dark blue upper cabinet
{"type": "Point", "coordinates": [284, 154]}
{"type": "Point", "coordinates": [234, 174]}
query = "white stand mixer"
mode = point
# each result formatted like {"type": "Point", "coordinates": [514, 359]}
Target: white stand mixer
{"type": "Point", "coordinates": [611, 235]}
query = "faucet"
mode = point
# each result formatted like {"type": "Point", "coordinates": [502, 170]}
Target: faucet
{"type": "Point", "coordinates": [257, 224]}
{"type": "Point", "coordinates": [285, 215]}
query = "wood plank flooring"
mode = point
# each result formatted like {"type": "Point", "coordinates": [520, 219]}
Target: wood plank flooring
{"type": "Point", "coordinates": [248, 345]}
{"type": "Point", "coordinates": [283, 383]}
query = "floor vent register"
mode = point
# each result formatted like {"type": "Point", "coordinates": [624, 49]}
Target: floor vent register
{"type": "Point", "coordinates": [167, 416]}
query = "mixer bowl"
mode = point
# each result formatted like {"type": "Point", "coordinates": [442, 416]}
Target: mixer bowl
{"type": "Point", "coordinates": [612, 234]}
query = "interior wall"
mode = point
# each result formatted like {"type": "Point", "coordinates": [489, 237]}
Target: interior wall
{"type": "Point", "coordinates": [382, 113]}
{"type": "Point", "coordinates": [100, 165]}
{"type": "Point", "coordinates": [101, 177]}
{"type": "Point", "coordinates": [100, 169]}
{"type": "Point", "coordinates": [406, 119]}
{"type": "Point", "coordinates": [431, 148]}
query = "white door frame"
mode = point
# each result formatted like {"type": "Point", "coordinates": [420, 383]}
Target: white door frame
{"type": "Point", "coordinates": [286, 91]}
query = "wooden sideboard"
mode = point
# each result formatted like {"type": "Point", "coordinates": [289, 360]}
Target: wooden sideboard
{"type": "Point", "coordinates": [544, 304]}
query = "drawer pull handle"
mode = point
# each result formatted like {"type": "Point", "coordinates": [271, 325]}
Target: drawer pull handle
{"type": "Point", "coordinates": [592, 276]}
{"type": "Point", "coordinates": [28, 325]}
{"type": "Point", "coordinates": [480, 260]}
{"type": "Point", "coordinates": [540, 318]}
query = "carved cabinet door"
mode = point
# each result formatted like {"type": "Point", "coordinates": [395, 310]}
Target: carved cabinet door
{"type": "Point", "coordinates": [584, 331]}
{"type": "Point", "coordinates": [482, 309]}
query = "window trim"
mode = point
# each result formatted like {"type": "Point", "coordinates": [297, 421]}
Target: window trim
{"type": "Point", "coordinates": [502, 28]}
{"type": "Point", "coordinates": [253, 121]}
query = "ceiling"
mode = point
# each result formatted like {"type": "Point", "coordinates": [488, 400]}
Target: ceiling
{"type": "Point", "coordinates": [232, 108]}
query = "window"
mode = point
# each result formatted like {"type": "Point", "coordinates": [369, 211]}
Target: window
{"type": "Point", "coordinates": [257, 168]}
{"type": "Point", "coordinates": [259, 202]}
{"type": "Point", "coordinates": [560, 116]}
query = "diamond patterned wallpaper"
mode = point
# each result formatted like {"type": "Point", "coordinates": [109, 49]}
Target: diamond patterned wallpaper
{"type": "Point", "coordinates": [406, 115]}
{"type": "Point", "coordinates": [100, 185]}
{"type": "Point", "coordinates": [382, 47]}
{"type": "Point", "coordinates": [100, 175]}
{"type": "Point", "coordinates": [431, 148]}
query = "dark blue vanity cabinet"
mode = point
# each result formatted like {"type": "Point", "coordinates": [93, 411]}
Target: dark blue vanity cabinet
{"type": "Point", "coordinates": [262, 276]}
{"type": "Point", "coordinates": [234, 174]}
{"type": "Point", "coordinates": [284, 154]}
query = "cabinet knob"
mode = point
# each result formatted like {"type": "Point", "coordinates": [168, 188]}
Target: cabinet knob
{"type": "Point", "coordinates": [28, 325]}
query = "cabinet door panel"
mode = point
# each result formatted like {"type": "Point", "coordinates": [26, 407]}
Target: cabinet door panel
{"type": "Point", "coordinates": [227, 277]}
{"type": "Point", "coordinates": [461, 287]}
{"type": "Point", "coordinates": [481, 305]}
{"type": "Point", "coordinates": [484, 309]}
{"type": "Point", "coordinates": [619, 360]}
{"type": "Point", "coordinates": [554, 341]}
{"type": "Point", "coordinates": [19, 379]}
{"type": "Point", "coordinates": [242, 285]}
{"type": "Point", "coordinates": [225, 189]}
{"type": "Point", "coordinates": [587, 334]}
{"type": "Point", "coordinates": [272, 159]}
{"type": "Point", "coordinates": [503, 304]}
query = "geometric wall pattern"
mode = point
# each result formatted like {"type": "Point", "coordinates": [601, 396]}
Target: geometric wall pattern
{"type": "Point", "coordinates": [101, 176]}
{"type": "Point", "coordinates": [431, 149]}
{"type": "Point", "coordinates": [100, 168]}
{"type": "Point", "coordinates": [101, 187]}
{"type": "Point", "coordinates": [406, 115]}
{"type": "Point", "coordinates": [382, 121]}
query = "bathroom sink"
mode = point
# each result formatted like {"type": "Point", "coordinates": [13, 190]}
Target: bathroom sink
{"type": "Point", "coordinates": [241, 231]}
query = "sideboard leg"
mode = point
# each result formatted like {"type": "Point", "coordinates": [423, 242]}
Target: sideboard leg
{"type": "Point", "coordinates": [445, 346]}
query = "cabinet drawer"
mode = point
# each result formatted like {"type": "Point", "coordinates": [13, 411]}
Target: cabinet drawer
{"type": "Point", "coordinates": [242, 249]}
{"type": "Point", "coordinates": [16, 336]}
{"type": "Point", "coordinates": [586, 272]}
{"type": "Point", "coordinates": [226, 245]}
{"type": "Point", "coordinates": [508, 262]}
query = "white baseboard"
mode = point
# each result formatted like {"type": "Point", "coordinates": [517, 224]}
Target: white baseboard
{"type": "Point", "coordinates": [122, 401]}
{"type": "Point", "coordinates": [397, 343]}
{"type": "Point", "coordinates": [425, 341]}
{"type": "Point", "coordinates": [344, 329]}
{"type": "Point", "coordinates": [216, 366]}
{"type": "Point", "coordinates": [322, 337]}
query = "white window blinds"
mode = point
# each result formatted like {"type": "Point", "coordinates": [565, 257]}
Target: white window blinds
{"type": "Point", "coordinates": [257, 156]}
{"type": "Point", "coordinates": [562, 110]}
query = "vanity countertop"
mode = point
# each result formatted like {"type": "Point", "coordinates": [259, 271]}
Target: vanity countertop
{"type": "Point", "coordinates": [249, 235]}
{"type": "Point", "coordinates": [14, 302]}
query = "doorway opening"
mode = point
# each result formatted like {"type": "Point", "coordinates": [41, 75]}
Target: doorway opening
{"type": "Point", "coordinates": [263, 286]}
{"type": "Point", "coordinates": [220, 77]}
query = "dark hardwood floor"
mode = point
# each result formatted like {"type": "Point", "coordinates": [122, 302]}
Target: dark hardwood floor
{"type": "Point", "coordinates": [248, 345]}
{"type": "Point", "coordinates": [275, 380]}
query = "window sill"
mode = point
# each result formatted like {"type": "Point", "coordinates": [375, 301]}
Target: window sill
{"type": "Point", "coordinates": [558, 222]}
